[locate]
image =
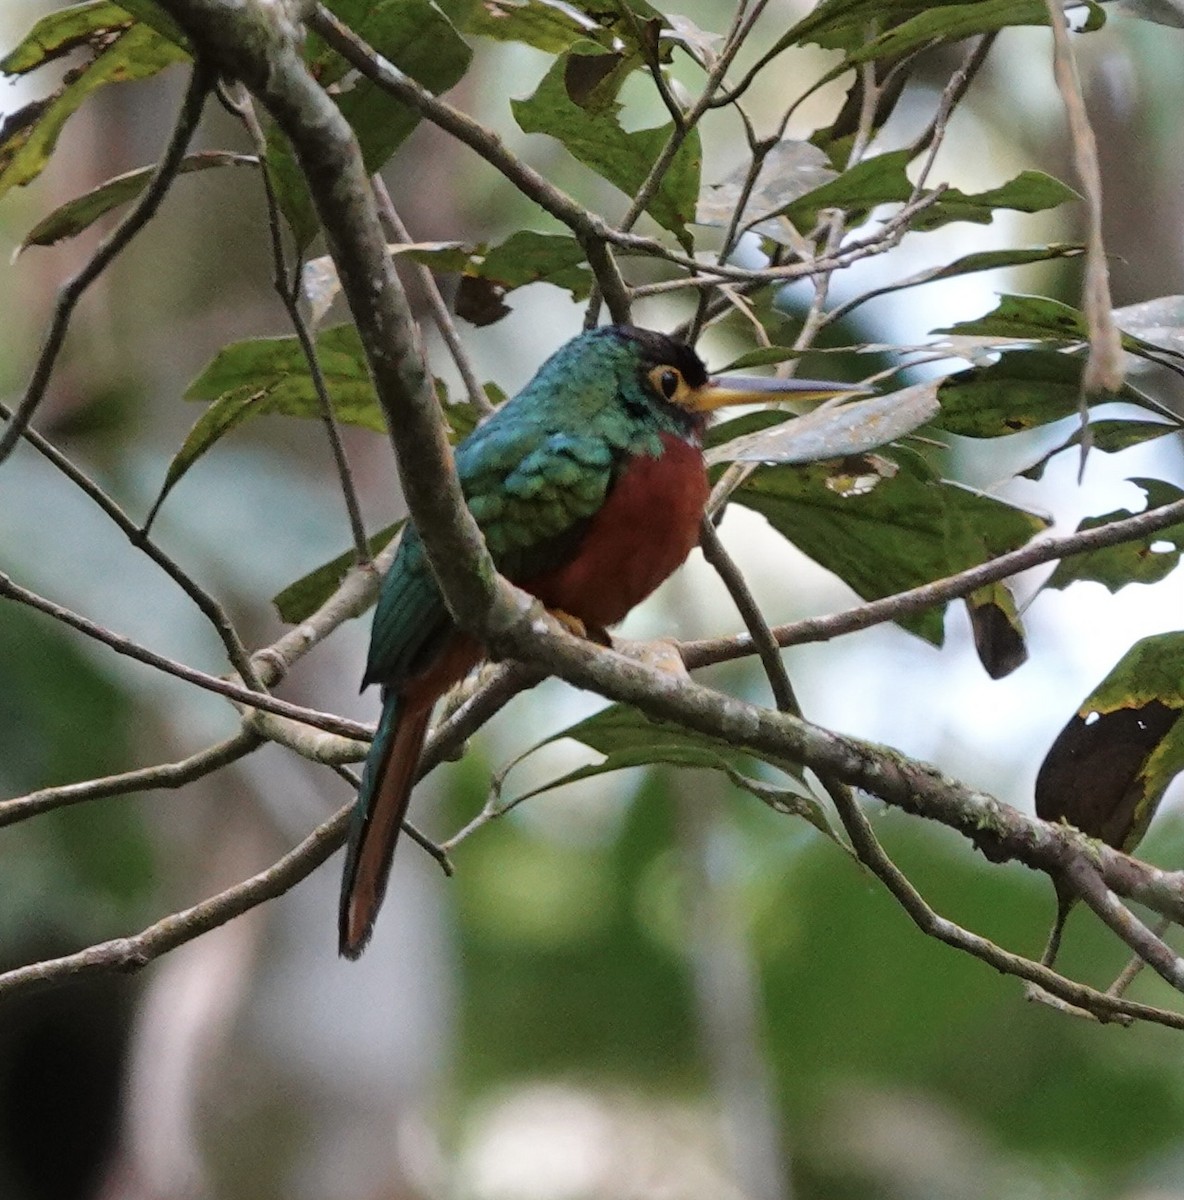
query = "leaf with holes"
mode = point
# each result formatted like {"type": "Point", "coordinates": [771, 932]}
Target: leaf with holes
{"type": "Point", "coordinates": [1109, 767]}
{"type": "Point", "coordinates": [28, 137]}
{"type": "Point", "coordinates": [1145, 560]}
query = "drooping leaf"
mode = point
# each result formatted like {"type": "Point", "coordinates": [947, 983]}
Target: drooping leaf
{"type": "Point", "coordinates": [1107, 435]}
{"type": "Point", "coordinates": [871, 29]}
{"type": "Point", "coordinates": [984, 260]}
{"type": "Point", "coordinates": [627, 738]}
{"type": "Point", "coordinates": [953, 22]}
{"type": "Point", "coordinates": [80, 213]}
{"type": "Point", "coordinates": [1162, 12]}
{"type": "Point", "coordinates": [299, 600]}
{"type": "Point", "coordinates": [834, 432]}
{"type": "Point", "coordinates": [998, 631]}
{"type": "Point", "coordinates": [883, 526]}
{"type": "Point", "coordinates": [1145, 560]}
{"type": "Point", "coordinates": [597, 140]}
{"type": "Point", "coordinates": [28, 138]}
{"type": "Point", "coordinates": [1108, 769]}
{"type": "Point", "coordinates": [270, 375]}
{"type": "Point", "coordinates": [418, 37]}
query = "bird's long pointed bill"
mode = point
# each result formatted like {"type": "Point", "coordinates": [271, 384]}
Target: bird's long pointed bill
{"type": "Point", "coordinates": [726, 390]}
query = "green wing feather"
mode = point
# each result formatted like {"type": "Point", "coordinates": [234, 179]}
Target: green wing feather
{"type": "Point", "coordinates": [532, 492]}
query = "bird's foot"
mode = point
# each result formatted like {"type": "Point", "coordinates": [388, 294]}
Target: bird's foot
{"type": "Point", "coordinates": [591, 633]}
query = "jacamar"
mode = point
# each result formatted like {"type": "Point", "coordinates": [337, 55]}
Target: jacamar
{"type": "Point", "coordinates": [589, 487]}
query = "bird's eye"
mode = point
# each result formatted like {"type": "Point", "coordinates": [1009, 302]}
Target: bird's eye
{"type": "Point", "coordinates": [668, 382]}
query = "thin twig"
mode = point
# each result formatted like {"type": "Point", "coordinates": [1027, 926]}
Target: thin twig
{"type": "Point", "coordinates": [211, 683]}
{"type": "Point", "coordinates": [236, 651]}
{"type": "Point", "coordinates": [287, 285]}
{"type": "Point", "coordinates": [931, 923]}
{"type": "Point", "coordinates": [758, 629]}
{"type": "Point", "coordinates": [146, 779]}
{"type": "Point", "coordinates": [435, 301]}
{"type": "Point", "coordinates": [929, 595]}
{"type": "Point", "coordinates": [141, 213]}
{"type": "Point", "coordinates": [133, 953]}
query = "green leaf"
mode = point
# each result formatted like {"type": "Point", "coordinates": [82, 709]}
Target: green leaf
{"type": "Point", "coordinates": [1145, 560]}
{"type": "Point", "coordinates": [1028, 192]}
{"type": "Point", "coordinates": [529, 257]}
{"type": "Point", "coordinates": [1024, 389]}
{"type": "Point", "coordinates": [421, 41]}
{"type": "Point", "coordinates": [299, 600]}
{"type": "Point", "coordinates": [953, 22]}
{"type": "Point", "coordinates": [1107, 435]}
{"type": "Point", "coordinates": [879, 180]}
{"type": "Point", "coordinates": [597, 140]}
{"type": "Point", "coordinates": [533, 22]}
{"type": "Point", "coordinates": [270, 375]}
{"type": "Point", "coordinates": [627, 738]}
{"type": "Point", "coordinates": [884, 526]}
{"type": "Point", "coordinates": [67, 29]}
{"type": "Point", "coordinates": [28, 138]}
{"type": "Point", "coordinates": [78, 214]}
{"type": "Point", "coordinates": [870, 29]}
{"type": "Point", "coordinates": [1110, 766]}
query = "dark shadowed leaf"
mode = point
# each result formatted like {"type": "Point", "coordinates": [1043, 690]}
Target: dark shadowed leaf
{"type": "Point", "coordinates": [78, 214]}
{"type": "Point", "coordinates": [1109, 767]}
{"type": "Point", "coordinates": [1146, 560]}
{"type": "Point", "coordinates": [997, 628]}
{"type": "Point", "coordinates": [884, 526]}
{"type": "Point", "coordinates": [480, 301]}
{"type": "Point", "coordinates": [597, 140]}
{"type": "Point", "coordinates": [299, 600]}
{"type": "Point", "coordinates": [135, 52]}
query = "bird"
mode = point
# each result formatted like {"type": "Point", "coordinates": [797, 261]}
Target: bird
{"type": "Point", "coordinates": [589, 487]}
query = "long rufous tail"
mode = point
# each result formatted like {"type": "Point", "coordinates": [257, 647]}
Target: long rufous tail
{"type": "Point", "coordinates": [382, 801]}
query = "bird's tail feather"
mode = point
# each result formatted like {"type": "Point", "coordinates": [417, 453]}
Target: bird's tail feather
{"type": "Point", "coordinates": [378, 816]}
